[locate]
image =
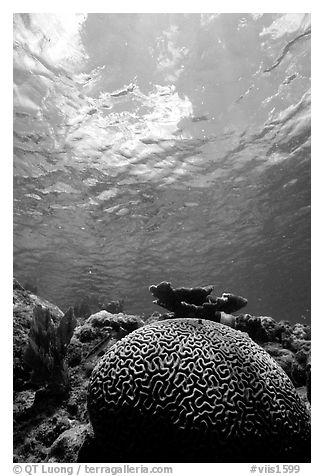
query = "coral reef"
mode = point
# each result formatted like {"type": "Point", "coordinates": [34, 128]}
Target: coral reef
{"type": "Point", "coordinates": [40, 419]}
{"type": "Point", "coordinates": [195, 302]}
{"type": "Point", "coordinates": [102, 326]}
{"type": "Point", "coordinates": [50, 429]}
{"type": "Point", "coordinates": [46, 349]}
{"type": "Point", "coordinates": [96, 335]}
{"type": "Point", "coordinates": [116, 322]}
{"type": "Point", "coordinates": [190, 390]}
{"type": "Point", "coordinates": [288, 344]}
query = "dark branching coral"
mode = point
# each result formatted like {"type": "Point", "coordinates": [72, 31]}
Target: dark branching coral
{"type": "Point", "coordinates": [47, 347]}
{"type": "Point", "coordinates": [184, 390]}
{"type": "Point", "coordinates": [195, 302]}
{"type": "Point", "coordinates": [171, 298]}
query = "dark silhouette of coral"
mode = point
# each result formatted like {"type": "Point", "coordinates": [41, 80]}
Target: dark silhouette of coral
{"type": "Point", "coordinates": [47, 348]}
{"type": "Point", "coordinates": [183, 390]}
{"type": "Point", "coordinates": [170, 298]}
{"type": "Point", "coordinates": [195, 302]}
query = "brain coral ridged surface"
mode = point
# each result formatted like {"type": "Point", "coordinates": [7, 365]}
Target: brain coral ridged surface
{"type": "Point", "coordinates": [185, 390]}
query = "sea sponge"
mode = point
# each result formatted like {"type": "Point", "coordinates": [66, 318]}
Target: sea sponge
{"type": "Point", "coordinates": [188, 390]}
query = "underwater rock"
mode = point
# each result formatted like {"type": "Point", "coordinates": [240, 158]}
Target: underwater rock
{"type": "Point", "coordinates": [66, 447]}
{"type": "Point", "coordinates": [103, 323]}
{"type": "Point", "coordinates": [98, 333]}
{"type": "Point", "coordinates": [284, 329]}
{"type": "Point", "coordinates": [24, 300]}
{"type": "Point", "coordinates": [48, 431]}
{"type": "Point", "coordinates": [278, 339]}
{"type": "Point", "coordinates": [300, 345]}
{"type": "Point", "coordinates": [269, 326]}
{"type": "Point", "coordinates": [114, 321]}
{"type": "Point", "coordinates": [23, 403]}
{"type": "Point", "coordinates": [268, 329]}
{"type": "Point", "coordinates": [301, 331]}
{"type": "Point", "coordinates": [186, 390]}
{"type": "Point", "coordinates": [302, 355]}
{"type": "Point", "coordinates": [36, 436]}
{"type": "Point", "coordinates": [264, 328]}
{"type": "Point", "coordinates": [295, 341]}
{"type": "Point", "coordinates": [85, 333]}
{"type": "Point", "coordinates": [195, 302]}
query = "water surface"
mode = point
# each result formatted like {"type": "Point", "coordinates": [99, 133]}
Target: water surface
{"type": "Point", "coordinates": [152, 147]}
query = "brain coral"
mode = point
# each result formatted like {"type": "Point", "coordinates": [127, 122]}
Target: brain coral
{"type": "Point", "coordinates": [185, 390]}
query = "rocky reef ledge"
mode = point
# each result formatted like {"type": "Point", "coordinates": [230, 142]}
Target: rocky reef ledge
{"type": "Point", "coordinates": [54, 426]}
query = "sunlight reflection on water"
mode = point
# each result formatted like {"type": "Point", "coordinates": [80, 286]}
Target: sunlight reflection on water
{"type": "Point", "coordinates": [153, 147]}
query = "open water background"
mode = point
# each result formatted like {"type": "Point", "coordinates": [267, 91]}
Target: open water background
{"type": "Point", "coordinates": [152, 147]}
